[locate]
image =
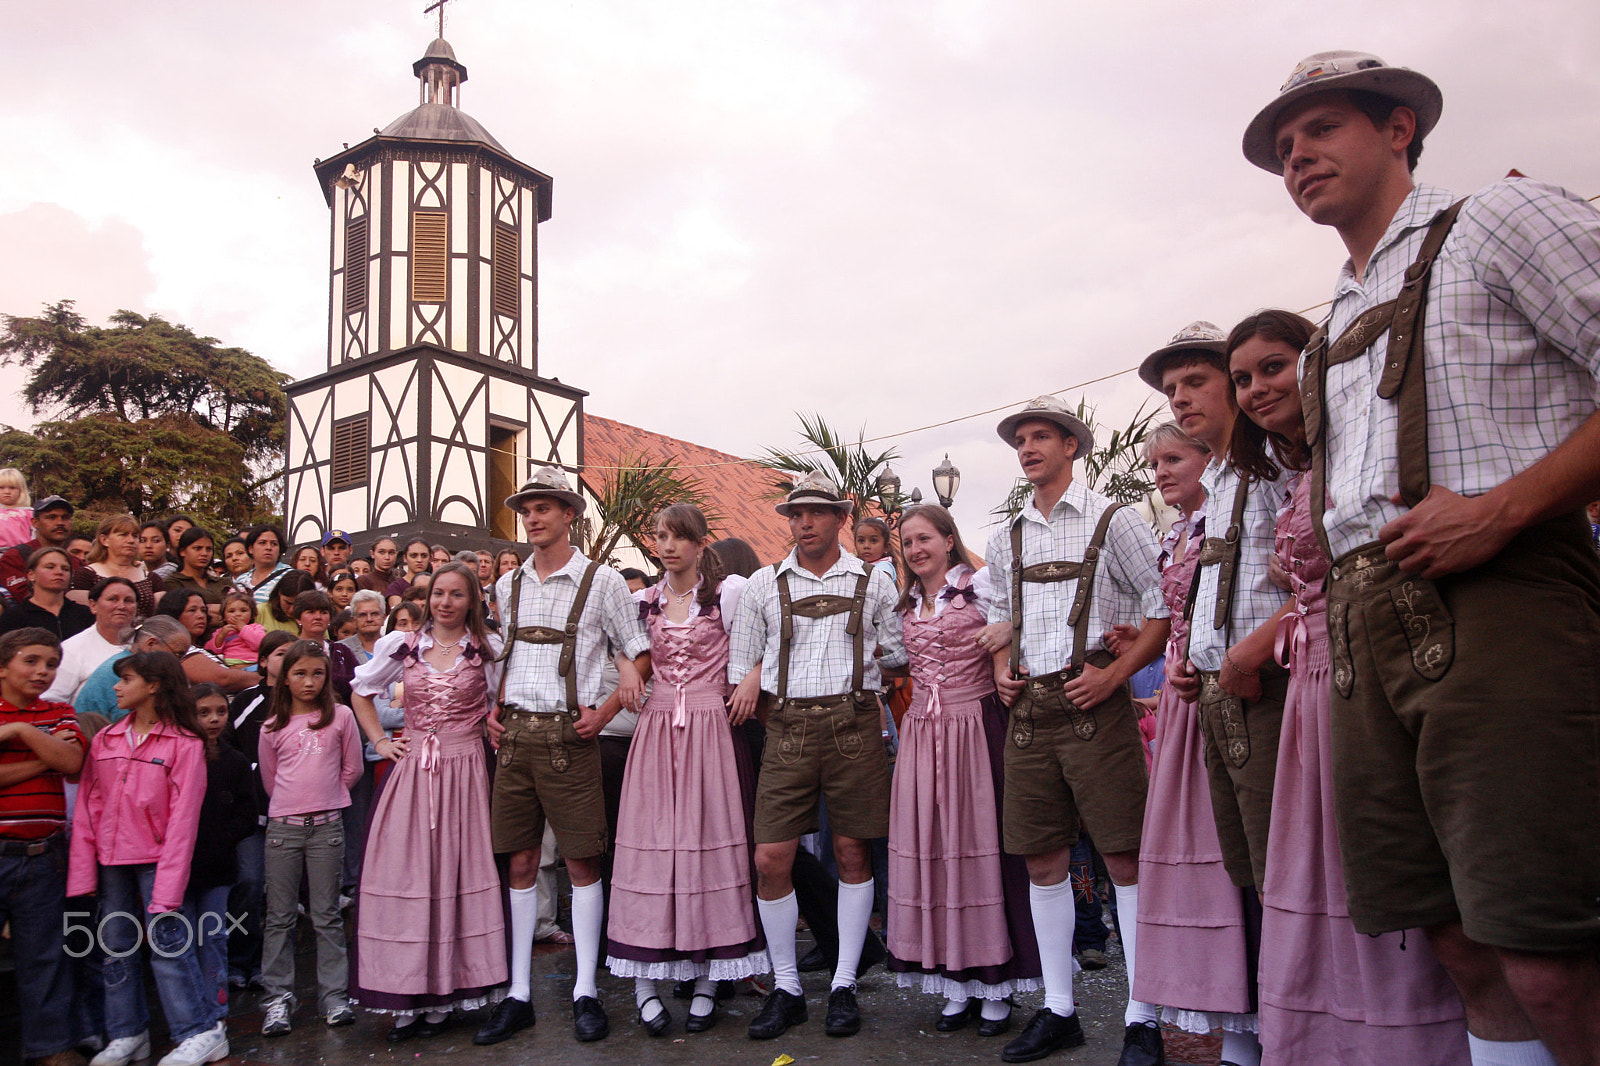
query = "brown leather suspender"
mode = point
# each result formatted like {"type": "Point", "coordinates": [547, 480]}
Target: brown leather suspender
{"type": "Point", "coordinates": [567, 636]}
{"type": "Point", "coordinates": [1224, 551]}
{"type": "Point", "coordinates": [1402, 379]}
{"type": "Point", "coordinates": [1052, 572]}
{"type": "Point", "coordinates": [822, 606]}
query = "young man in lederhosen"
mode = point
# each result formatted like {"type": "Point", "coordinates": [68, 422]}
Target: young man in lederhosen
{"type": "Point", "coordinates": [805, 632]}
{"type": "Point", "coordinates": [1070, 565]}
{"type": "Point", "coordinates": [561, 612]}
{"type": "Point", "coordinates": [1457, 453]}
{"type": "Point", "coordinates": [1241, 702]}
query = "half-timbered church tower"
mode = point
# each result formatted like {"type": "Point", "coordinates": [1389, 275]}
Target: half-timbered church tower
{"type": "Point", "coordinates": [432, 406]}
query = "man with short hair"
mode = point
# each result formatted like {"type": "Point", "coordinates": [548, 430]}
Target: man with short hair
{"type": "Point", "coordinates": [335, 551]}
{"type": "Point", "coordinates": [1464, 599]}
{"type": "Point", "coordinates": [52, 524]}
{"type": "Point", "coordinates": [811, 625]}
{"type": "Point", "coordinates": [562, 613]}
{"type": "Point", "coordinates": [1075, 564]}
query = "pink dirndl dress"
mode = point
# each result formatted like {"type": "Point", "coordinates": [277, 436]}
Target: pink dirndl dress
{"type": "Point", "coordinates": [1193, 956]}
{"type": "Point", "coordinates": [1329, 993]}
{"type": "Point", "coordinates": [430, 927]}
{"type": "Point", "coordinates": [681, 900]}
{"type": "Point", "coordinates": [958, 921]}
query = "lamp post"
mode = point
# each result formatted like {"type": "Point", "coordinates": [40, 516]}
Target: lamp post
{"type": "Point", "coordinates": [946, 479]}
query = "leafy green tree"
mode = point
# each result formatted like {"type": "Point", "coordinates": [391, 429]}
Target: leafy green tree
{"type": "Point", "coordinates": [146, 417]}
{"type": "Point", "coordinates": [632, 495]}
{"type": "Point", "coordinates": [1115, 467]}
{"type": "Point", "coordinates": [847, 464]}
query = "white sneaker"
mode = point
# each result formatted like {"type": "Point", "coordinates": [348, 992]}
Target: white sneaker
{"type": "Point", "coordinates": [123, 1050]}
{"type": "Point", "coordinates": [343, 1014]}
{"type": "Point", "coordinates": [276, 1023]}
{"type": "Point", "coordinates": [201, 1048]}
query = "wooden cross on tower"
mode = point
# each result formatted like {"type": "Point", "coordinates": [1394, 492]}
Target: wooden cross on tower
{"type": "Point", "coordinates": [437, 5]}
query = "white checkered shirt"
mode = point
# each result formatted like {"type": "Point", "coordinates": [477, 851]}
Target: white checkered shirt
{"type": "Point", "coordinates": [1127, 583]}
{"type": "Point", "coordinates": [610, 620]}
{"type": "Point", "coordinates": [1511, 336]}
{"type": "Point", "coordinates": [1255, 597]}
{"type": "Point", "coordinates": [821, 653]}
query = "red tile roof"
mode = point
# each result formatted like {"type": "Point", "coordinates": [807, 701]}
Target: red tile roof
{"type": "Point", "coordinates": [741, 492]}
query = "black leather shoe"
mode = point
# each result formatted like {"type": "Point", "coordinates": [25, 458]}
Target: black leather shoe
{"type": "Point", "coordinates": [424, 1027]}
{"type": "Point", "coordinates": [699, 1023]}
{"type": "Point", "coordinates": [950, 1023]}
{"type": "Point", "coordinates": [996, 1026]}
{"type": "Point", "coordinates": [1045, 1033]}
{"type": "Point", "coordinates": [844, 1016]}
{"type": "Point", "coordinates": [780, 1011]}
{"type": "Point", "coordinates": [818, 958]}
{"type": "Point", "coordinates": [589, 1020]}
{"type": "Point", "coordinates": [401, 1033]}
{"type": "Point", "coordinates": [510, 1017]}
{"type": "Point", "coordinates": [1141, 1046]}
{"type": "Point", "coordinates": [658, 1025]}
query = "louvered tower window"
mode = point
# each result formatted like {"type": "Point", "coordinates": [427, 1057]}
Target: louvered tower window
{"type": "Point", "coordinates": [503, 264]}
{"type": "Point", "coordinates": [350, 454]}
{"type": "Point", "coordinates": [429, 257]}
{"type": "Point", "coordinates": [355, 265]}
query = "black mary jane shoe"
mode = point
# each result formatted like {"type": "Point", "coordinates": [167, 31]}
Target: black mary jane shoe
{"type": "Point", "coordinates": [996, 1026]}
{"type": "Point", "coordinates": [952, 1023]}
{"type": "Point", "coordinates": [658, 1025]}
{"type": "Point", "coordinates": [700, 1023]}
{"type": "Point", "coordinates": [589, 1021]}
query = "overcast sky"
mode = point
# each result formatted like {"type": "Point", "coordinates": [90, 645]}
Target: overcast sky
{"type": "Point", "coordinates": [891, 213]}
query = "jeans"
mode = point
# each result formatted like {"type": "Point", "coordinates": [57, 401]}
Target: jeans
{"type": "Point", "coordinates": [210, 909]}
{"type": "Point", "coordinates": [317, 851]}
{"type": "Point", "coordinates": [33, 895]}
{"type": "Point", "coordinates": [355, 826]}
{"type": "Point", "coordinates": [248, 901]}
{"type": "Point", "coordinates": [1091, 927]}
{"type": "Point", "coordinates": [124, 922]}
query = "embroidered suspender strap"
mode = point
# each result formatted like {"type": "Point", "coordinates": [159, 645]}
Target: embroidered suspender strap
{"type": "Point", "coordinates": [511, 631]}
{"type": "Point", "coordinates": [1401, 381]}
{"type": "Point", "coordinates": [1232, 547]}
{"type": "Point", "coordinates": [1016, 596]}
{"type": "Point", "coordinates": [567, 666]}
{"type": "Point", "coordinates": [822, 606]}
{"type": "Point", "coordinates": [858, 631]}
{"type": "Point", "coordinates": [785, 634]}
{"type": "Point", "coordinates": [1080, 603]}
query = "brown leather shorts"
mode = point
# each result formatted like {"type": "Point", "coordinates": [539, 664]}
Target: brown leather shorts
{"type": "Point", "coordinates": [544, 770]}
{"type": "Point", "coordinates": [1466, 742]}
{"type": "Point", "coordinates": [830, 747]}
{"type": "Point", "coordinates": [1241, 746]}
{"type": "Point", "coordinates": [1068, 768]}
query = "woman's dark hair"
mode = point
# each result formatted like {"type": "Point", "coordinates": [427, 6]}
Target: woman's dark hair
{"type": "Point", "coordinates": [291, 584]}
{"type": "Point", "coordinates": [283, 700]}
{"type": "Point", "coordinates": [407, 548]}
{"type": "Point", "coordinates": [1247, 450]}
{"type": "Point", "coordinates": [106, 582]}
{"type": "Point", "coordinates": [689, 522]}
{"type": "Point", "coordinates": [270, 643]}
{"type": "Point", "coordinates": [255, 533]}
{"type": "Point", "coordinates": [174, 705]}
{"type": "Point", "coordinates": [312, 600]}
{"type": "Point", "coordinates": [945, 525]}
{"type": "Point", "coordinates": [206, 690]}
{"type": "Point", "coordinates": [737, 556]}
{"type": "Point", "coordinates": [223, 547]}
{"type": "Point", "coordinates": [345, 617]}
{"type": "Point", "coordinates": [187, 538]}
{"type": "Point", "coordinates": [171, 519]}
{"type": "Point", "coordinates": [176, 601]}
{"type": "Point", "coordinates": [405, 607]}
{"type": "Point", "coordinates": [343, 575]}
{"type": "Point", "coordinates": [321, 571]}
{"type": "Point", "coordinates": [474, 616]}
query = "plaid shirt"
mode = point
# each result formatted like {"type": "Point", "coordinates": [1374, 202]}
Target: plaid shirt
{"type": "Point", "coordinates": [821, 653]}
{"type": "Point", "coordinates": [1511, 336]}
{"type": "Point", "coordinates": [1255, 597]}
{"type": "Point", "coordinates": [1127, 583]}
{"type": "Point", "coordinates": [610, 620]}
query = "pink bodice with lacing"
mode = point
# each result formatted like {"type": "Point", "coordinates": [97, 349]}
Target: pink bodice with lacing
{"type": "Point", "coordinates": [444, 713]}
{"type": "Point", "coordinates": [1177, 577]}
{"type": "Point", "coordinates": [944, 652]}
{"type": "Point", "coordinates": [1305, 630]}
{"type": "Point", "coordinates": [689, 657]}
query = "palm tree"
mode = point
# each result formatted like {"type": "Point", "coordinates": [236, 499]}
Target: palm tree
{"type": "Point", "coordinates": [848, 465]}
{"type": "Point", "coordinates": [631, 496]}
{"type": "Point", "coordinates": [1115, 467]}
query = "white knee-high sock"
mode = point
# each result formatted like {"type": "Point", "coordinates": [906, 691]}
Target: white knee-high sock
{"type": "Point", "coordinates": [1509, 1052]}
{"type": "Point", "coordinates": [705, 991]}
{"type": "Point", "coordinates": [1128, 922]}
{"type": "Point", "coordinates": [779, 917]}
{"type": "Point", "coordinates": [524, 916]}
{"type": "Point", "coordinates": [588, 910]}
{"type": "Point", "coordinates": [1241, 1049]}
{"type": "Point", "coordinates": [995, 1009]}
{"type": "Point", "coordinates": [1054, 918]}
{"type": "Point", "coordinates": [644, 991]}
{"type": "Point", "coordinates": [954, 1005]}
{"type": "Point", "coordinates": [855, 916]}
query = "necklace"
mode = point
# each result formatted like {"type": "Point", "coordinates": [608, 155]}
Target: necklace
{"type": "Point", "coordinates": [442, 646]}
{"type": "Point", "coordinates": [679, 597]}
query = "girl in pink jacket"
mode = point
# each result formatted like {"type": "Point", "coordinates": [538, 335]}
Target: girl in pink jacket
{"type": "Point", "coordinates": [133, 837]}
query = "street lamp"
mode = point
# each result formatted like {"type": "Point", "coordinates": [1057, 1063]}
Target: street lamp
{"type": "Point", "coordinates": [946, 479]}
{"type": "Point", "coordinates": [916, 497]}
{"type": "Point", "coordinates": [888, 483]}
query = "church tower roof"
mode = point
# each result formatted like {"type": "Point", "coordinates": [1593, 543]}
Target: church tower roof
{"type": "Point", "coordinates": [438, 117]}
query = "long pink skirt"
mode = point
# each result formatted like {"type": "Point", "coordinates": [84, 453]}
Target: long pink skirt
{"type": "Point", "coordinates": [1193, 957]}
{"type": "Point", "coordinates": [430, 926]}
{"type": "Point", "coordinates": [1329, 993]}
{"type": "Point", "coordinates": [681, 900]}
